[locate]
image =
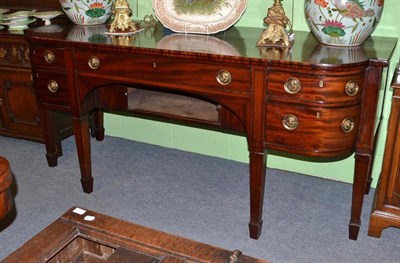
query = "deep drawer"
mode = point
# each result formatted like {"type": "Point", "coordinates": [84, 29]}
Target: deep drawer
{"type": "Point", "coordinates": [319, 131]}
{"type": "Point", "coordinates": [314, 88]}
{"type": "Point", "coordinates": [164, 71]}
{"type": "Point", "coordinates": [48, 57]}
{"type": "Point", "coordinates": [52, 90]}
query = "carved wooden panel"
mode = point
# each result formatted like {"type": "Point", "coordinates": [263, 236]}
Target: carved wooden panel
{"type": "Point", "coordinates": [14, 54]}
{"type": "Point", "coordinates": [18, 105]}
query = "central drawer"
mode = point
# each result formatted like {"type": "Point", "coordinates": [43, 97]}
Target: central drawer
{"type": "Point", "coordinates": [164, 71]}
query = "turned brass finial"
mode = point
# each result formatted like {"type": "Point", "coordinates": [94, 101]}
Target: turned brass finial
{"type": "Point", "coordinates": [122, 22]}
{"type": "Point", "coordinates": [276, 34]}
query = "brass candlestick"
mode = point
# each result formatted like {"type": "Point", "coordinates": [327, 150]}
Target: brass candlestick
{"type": "Point", "coordinates": [122, 22]}
{"type": "Point", "coordinates": [275, 34]}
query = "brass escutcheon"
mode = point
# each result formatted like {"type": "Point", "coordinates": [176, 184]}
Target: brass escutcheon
{"type": "Point", "coordinates": [1, 101]}
{"type": "Point", "coordinates": [94, 62]}
{"type": "Point", "coordinates": [52, 86]}
{"type": "Point", "coordinates": [49, 56]}
{"type": "Point", "coordinates": [27, 54]}
{"type": "Point", "coordinates": [224, 77]}
{"type": "Point", "coordinates": [351, 88]}
{"type": "Point", "coordinates": [14, 51]}
{"type": "Point", "coordinates": [3, 52]}
{"type": "Point", "coordinates": [290, 122]}
{"type": "Point", "coordinates": [348, 125]}
{"type": "Point", "coordinates": [292, 86]}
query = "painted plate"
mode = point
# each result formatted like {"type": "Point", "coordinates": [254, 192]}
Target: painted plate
{"type": "Point", "coordinates": [47, 14]}
{"type": "Point", "coordinates": [18, 15]}
{"type": "Point", "coordinates": [2, 10]}
{"type": "Point", "coordinates": [18, 24]}
{"type": "Point", "coordinates": [199, 16]}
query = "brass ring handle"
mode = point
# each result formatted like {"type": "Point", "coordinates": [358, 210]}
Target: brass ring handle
{"type": "Point", "coordinates": [351, 88]}
{"type": "Point", "coordinates": [292, 86]}
{"type": "Point", "coordinates": [348, 125]}
{"type": "Point", "coordinates": [224, 77]}
{"type": "Point", "coordinates": [49, 56]}
{"type": "Point", "coordinates": [94, 62]}
{"type": "Point", "coordinates": [52, 86]}
{"type": "Point", "coordinates": [290, 122]}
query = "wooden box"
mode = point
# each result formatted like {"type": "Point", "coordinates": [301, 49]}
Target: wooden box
{"type": "Point", "coordinates": [93, 237]}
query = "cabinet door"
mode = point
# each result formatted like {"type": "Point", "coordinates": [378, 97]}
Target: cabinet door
{"type": "Point", "coordinates": [19, 115]}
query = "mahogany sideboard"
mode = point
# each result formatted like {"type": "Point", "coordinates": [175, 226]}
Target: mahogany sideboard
{"type": "Point", "coordinates": [85, 236]}
{"type": "Point", "coordinates": [311, 100]}
{"type": "Point", "coordinates": [386, 207]}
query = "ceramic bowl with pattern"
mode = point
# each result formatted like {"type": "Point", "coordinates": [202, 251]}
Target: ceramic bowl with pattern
{"type": "Point", "coordinates": [87, 12]}
{"type": "Point", "coordinates": [343, 22]}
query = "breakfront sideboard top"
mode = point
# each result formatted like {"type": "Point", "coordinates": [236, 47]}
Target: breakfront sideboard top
{"type": "Point", "coordinates": [234, 43]}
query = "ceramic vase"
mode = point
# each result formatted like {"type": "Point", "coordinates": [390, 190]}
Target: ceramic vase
{"type": "Point", "coordinates": [343, 22]}
{"type": "Point", "coordinates": [88, 12]}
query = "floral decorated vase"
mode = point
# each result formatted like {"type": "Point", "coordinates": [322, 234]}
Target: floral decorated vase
{"type": "Point", "coordinates": [87, 12]}
{"type": "Point", "coordinates": [343, 22]}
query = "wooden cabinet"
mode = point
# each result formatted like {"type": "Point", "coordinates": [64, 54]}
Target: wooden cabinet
{"type": "Point", "coordinates": [386, 209]}
{"type": "Point", "coordinates": [19, 114]}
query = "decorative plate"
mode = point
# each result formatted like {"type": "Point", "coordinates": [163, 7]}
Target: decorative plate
{"type": "Point", "coordinates": [18, 15]}
{"type": "Point", "coordinates": [2, 10]}
{"type": "Point", "coordinates": [199, 16]}
{"type": "Point", "coordinates": [47, 15]}
{"type": "Point", "coordinates": [19, 24]}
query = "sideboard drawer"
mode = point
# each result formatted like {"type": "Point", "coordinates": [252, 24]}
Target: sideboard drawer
{"type": "Point", "coordinates": [312, 130]}
{"type": "Point", "coordinates": [48, 57]}
{"type": "Point", "coordinates": [52, 90]}
{"type": "Point", "coordinates": [314, 88]}
{"type": "Point", "coordinates": [164, 71]}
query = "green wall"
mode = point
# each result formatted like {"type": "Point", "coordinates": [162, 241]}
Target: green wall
{"type": "Point", "coordinates": [235, 147]}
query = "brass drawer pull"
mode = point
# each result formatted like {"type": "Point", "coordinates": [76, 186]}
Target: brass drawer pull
{"type": "Point", "coordinates": [94, 62]}
{"type": "Point", "coordinates": [49, 56]}
{"type": "Point", "coordinates": [224, 77]}
{"type": "Point", "coordinates": [351, 88]}
{"type": "Point", "coordinates": [348, 125]}
{"type": "Point", "coordinates": [52, 86]}
{"type": "Point", "coordinates": [292, 86]}
{"type": "Point", "coordinates": [290, 122]}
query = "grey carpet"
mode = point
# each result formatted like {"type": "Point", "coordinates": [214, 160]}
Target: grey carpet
{"type": "Point", "coordinates": [194, 196]}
